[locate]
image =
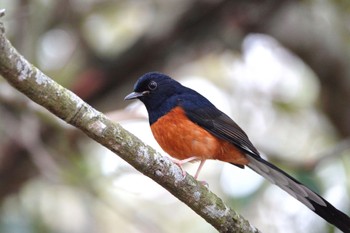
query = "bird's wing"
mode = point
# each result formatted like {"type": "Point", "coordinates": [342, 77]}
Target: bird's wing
{"type": "Point", "coordinates": [220, 125]}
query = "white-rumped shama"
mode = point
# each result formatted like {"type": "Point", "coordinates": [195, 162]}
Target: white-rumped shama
{"type": "Point", "coordinates": [189, 127]}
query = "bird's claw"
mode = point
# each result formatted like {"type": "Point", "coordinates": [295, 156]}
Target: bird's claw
{"type": "Point", "coordinates": [179, 164]}
{"type": "Point", "coordinates": [203, 182]}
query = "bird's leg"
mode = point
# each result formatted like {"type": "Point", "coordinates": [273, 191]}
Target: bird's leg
{"type": "Point", "coordinates": [183, 161]}
{"type": "Point", "coordinates": [199, 168]}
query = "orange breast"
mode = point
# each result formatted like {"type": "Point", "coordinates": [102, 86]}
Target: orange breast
{"type": "Point", "coordinates": [181, 138]}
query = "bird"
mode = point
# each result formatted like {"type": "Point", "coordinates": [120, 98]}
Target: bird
{"type": "Point", "coordinates": [190, 128]}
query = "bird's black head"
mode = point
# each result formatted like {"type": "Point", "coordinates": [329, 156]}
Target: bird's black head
{"type": "Point", "coordinates": [158, 92]}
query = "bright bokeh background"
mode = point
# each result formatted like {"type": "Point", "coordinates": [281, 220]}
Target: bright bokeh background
{"type": "Point", "coordinates": [54, 179]}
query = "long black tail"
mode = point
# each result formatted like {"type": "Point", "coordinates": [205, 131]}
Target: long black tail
{"type": "Point", "coordinates": [299, 191]}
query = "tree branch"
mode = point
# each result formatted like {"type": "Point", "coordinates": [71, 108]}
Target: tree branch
{"type": "Point", "coordinates": [66, 105]}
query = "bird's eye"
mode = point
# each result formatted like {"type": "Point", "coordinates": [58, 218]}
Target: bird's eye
{"type": "Point", "coordinates": [152, 85]}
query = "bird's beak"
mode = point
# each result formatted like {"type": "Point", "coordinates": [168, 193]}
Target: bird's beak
{"type": "Point", "coordinates": [134, 95]}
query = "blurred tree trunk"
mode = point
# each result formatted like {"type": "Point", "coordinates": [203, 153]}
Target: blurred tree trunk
{"type": "Point", "coordinates": [325, 49]}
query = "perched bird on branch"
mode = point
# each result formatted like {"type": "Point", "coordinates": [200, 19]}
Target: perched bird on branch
{"type": "Point", "coordinates": [190, 128]}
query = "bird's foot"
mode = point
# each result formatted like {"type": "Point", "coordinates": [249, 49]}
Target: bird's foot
{"type": "Point", "coordinates": [203, 182]}
{"type": "Point", "coordinates": [179, 163]}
